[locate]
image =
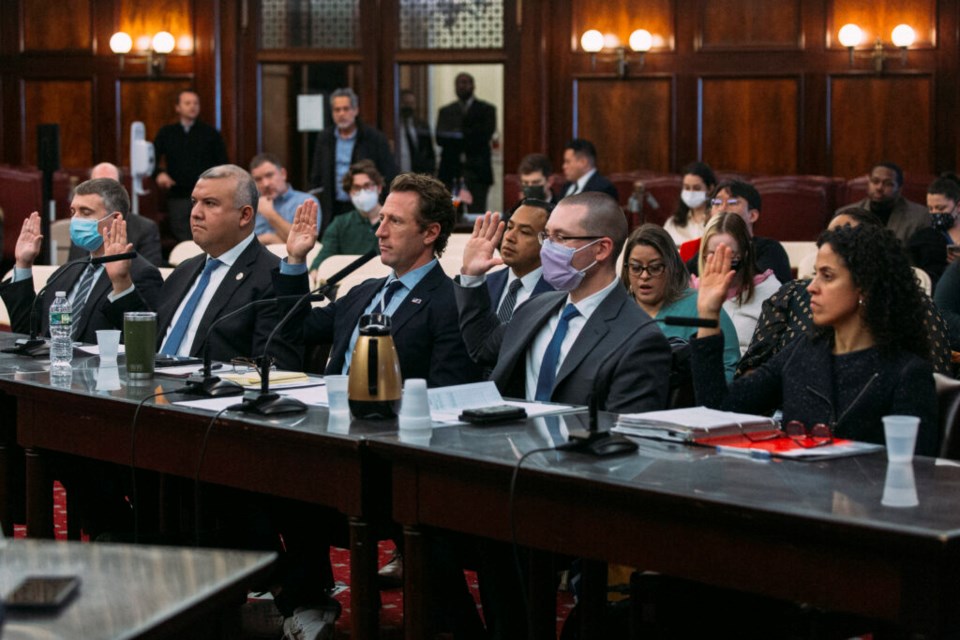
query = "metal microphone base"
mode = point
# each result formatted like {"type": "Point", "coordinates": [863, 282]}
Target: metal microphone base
{"type": "Point", "coordinates": [599, 443]}
{"type": "Point", "coordinates": [211, 387]}
{"type": "Point", "coordinates": [269, 404]}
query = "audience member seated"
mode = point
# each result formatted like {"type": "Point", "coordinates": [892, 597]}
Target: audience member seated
{"type": "Point", "coordinates": [693, 210]}
{"type": "Point", "coordinates": [233, 271]}
{"type": "Point", "coordinates": [278, 200]}
{"type": "Point", "coordinates": [655, 276]}
{"type": "Point", "coordinates": [534, 172]}
{"type": "Point", "coordinates": [749, 287]}
{"type": "Point", "coordinates": [885, 200]}
{"type": "Point", "coordinates": [97, 206]}
{"type": "Point", "coordinates": [867, 357]}
{"type": "Point", "coordinates": [355, 233]}
{"type": "Point", "coordinates": [933, 248]}
{"type": "Point", "coordinates": [142, 232]}
{"type": "Point", "coordinates": [735, 196]}
{"type": "Point", "coordinates": [786, 314]}
{"type": "Point", "coordinates": [580, 170]}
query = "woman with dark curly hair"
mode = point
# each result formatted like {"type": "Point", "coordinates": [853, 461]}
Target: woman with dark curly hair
{"type": "Point", "coordinates": [867, 357]}
{"type": "Point", "coordinates": [653, 273]}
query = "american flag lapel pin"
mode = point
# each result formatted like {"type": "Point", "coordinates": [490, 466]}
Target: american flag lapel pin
{"type": "Point", "coordinates": [416, 301]}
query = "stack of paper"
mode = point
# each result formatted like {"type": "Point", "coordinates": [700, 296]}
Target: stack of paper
{"type": "Point", "coordinates": [691, 424]}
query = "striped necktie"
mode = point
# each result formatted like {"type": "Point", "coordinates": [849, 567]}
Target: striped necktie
{"type": "Point", "coordinates": [509, 301]}
{"type": "Point", "coordinates": [80, 299]}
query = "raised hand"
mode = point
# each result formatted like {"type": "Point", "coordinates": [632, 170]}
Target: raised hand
{"type": "Point", "coordinates": [114, 242]}
{"type": "Point", "coordinates": [478, 254]}
{"type": "Point", "coordinates": [29, 242]}
{"type": "Point", "coordinates": [303, 232]}
{"type": "Point", "coordinates": [715, 280]}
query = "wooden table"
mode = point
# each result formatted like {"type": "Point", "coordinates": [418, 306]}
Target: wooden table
{"type": "Point", "coordinates": [128, 591]}
{"type": "Point", "coordinates": [802, 531]}
{"type": "Point", "coordinates": [302, 457]}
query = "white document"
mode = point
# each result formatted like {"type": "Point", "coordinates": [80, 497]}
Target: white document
{"type": "Point", "coordinates": [310, 112]}
{"type": "Point", "coordinates": [94, 349]}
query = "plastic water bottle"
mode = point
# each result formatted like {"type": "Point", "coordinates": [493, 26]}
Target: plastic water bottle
{"type": "Point", "coordinates": [61, 329]}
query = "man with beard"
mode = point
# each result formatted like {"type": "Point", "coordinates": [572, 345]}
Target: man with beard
{"type": "Point", "coordinates": [885, 200]}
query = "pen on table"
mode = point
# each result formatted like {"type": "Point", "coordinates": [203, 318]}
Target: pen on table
{"type": "Point", "coordinates": [745, 452]}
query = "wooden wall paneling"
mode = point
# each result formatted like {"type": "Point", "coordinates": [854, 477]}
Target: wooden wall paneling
{"type": "Point", "coordinates": [879, 17]}
{"type": "Point", "coordinates": [149, 101]}
{"type": "Point", "coordinates": [249, 133]}
{"type": "Point", "coordinates": [629, 121]}
{"type": "Point", "coordinates": [560, 105]}
{"type": "Point", "coordinates": [229, 83]}
{"type": "Point", "coordinates": [751, 125]}
{"type": "Point", "coordinates": [876, 118]}
{"type": "Point", "coordinates": [750, 24]}
{"type": "Point", "coordinates": [68, 103]}
{"type": "Point", "coordinates": [622, 17]}
{"type": "Point", "coordinates": [65, 25]}
{"type": "Point", "coordinates": [208, 60]}
{"type": "Point", "coordinates": [139, 18]}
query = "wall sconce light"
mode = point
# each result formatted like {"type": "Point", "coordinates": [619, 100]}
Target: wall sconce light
{"type": "Point", "coordinates": [160, 46]}
{"type": "Point", "coordinates": [593, 42]}
{"type": "Point", "coordinates": [903, 36]}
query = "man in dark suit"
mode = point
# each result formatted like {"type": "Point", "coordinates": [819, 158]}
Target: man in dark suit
{"type": "Point", "coordinates": [349, 141]}
{"type": "Point", "coordinates": [464, 129]}
{"type": "Point", "coordinates": [520, 251]}
{"type": "Point", "coordinates": [587, 337]}
{"type": "Point", "coordinates": [96, 206]}
{"type": "Point", "coordinates": [606, 342]}
{"type": "Point", "coordinates": [415, 222]}
{"type": "Point", "coordinates": [233, 271]}
{"type": "Point", "coordinates": [580, 170]}
{"type": "Point", "coordinates": [142, 232]}
{"type": "Point", "coordinates": [414, 140]}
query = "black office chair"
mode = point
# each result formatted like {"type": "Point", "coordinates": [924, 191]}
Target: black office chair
{"type": "Point", "coordinates": [948, 401]}
{"type": "Point", "coordinates": [681, 378]}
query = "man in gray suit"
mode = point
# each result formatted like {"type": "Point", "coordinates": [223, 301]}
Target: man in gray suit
{"type": "Point", "coordinates": [588, 336]}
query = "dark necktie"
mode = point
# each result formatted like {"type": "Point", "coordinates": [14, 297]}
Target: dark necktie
{"type": "Point", "coordinates": [83, 292]}
{"type": "Point", "coordinates": [551, 358]}
{"type": "Point", "coordinates": [172, 345]}
{"type": "Point", "coordinates": [509, 301]}
{"type": "Point", "coordinates": [391, 288]}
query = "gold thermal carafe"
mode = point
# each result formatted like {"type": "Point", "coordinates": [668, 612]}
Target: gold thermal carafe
{"type": "Point", "coordinates": [375, 384]}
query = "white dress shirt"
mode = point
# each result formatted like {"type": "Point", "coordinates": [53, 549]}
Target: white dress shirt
{"type": "Point", "coordinates": [527, 283]}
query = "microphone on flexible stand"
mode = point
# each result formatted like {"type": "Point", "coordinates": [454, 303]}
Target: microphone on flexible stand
{"type": "Point", "coordinates": [35, 345]}
{"type": "Point", "coordinates": [603, 443]}
{"type": "Point", "coordinates": [272, 403]}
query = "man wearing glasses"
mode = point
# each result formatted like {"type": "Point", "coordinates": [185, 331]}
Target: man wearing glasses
{"type": "Point", "coordinates": [587, 337]}
{"type": "Point", "coordinates": [734, 196]}
{"type": "Point", "coordinates": [278, 200]}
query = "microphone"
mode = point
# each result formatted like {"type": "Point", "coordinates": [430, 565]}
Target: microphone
{"type": "Point", "coordinates": [29, 346]}
{"type": "Point", "coordinates": [603, 443]}
{"type": "Point", "coordinates": [267, 403]}
{"type": "Point", "coordinates": [211, 386]}
{"type": "Point", "coordinates": [129, 255]}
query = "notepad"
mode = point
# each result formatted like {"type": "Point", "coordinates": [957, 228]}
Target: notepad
{"type": "Point", "coordinates": [253, 377]}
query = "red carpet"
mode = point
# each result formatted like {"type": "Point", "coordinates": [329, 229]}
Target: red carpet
{"type": "Point", "coordinates": [391, 612]}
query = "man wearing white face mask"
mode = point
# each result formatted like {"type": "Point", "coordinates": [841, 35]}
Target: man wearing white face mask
{"type": "Point", "coordinates": [354, 233]}
{"type": "Point", "coordinates": [97, 204]}
{"type": "Point", "coordinates": [587, 337]}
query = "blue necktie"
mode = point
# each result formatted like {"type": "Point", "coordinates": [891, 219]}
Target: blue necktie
{"type": "Point", "coordinates": [83, 292]}
{"type": "Point", "coordinates": [172, 345]}
{"type": "Point", "coordinates": [548, 368]}
{"type": "Point", "coordinates": [392, 288]}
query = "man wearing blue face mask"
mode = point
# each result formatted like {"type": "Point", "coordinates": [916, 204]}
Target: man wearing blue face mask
{"type": "Point", "coordinates": [587, 337]}
{"type": "Point", "coordinates": [96, 205]}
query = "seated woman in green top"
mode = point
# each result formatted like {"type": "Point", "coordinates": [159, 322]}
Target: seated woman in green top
{"type": "Point", "coordinates": [657, 279]}
{"type": "Point", "coordinates": [354, 232]}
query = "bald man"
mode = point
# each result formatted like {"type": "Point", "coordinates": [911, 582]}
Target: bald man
{"type": "Point", "coordinates": [141, 231]}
